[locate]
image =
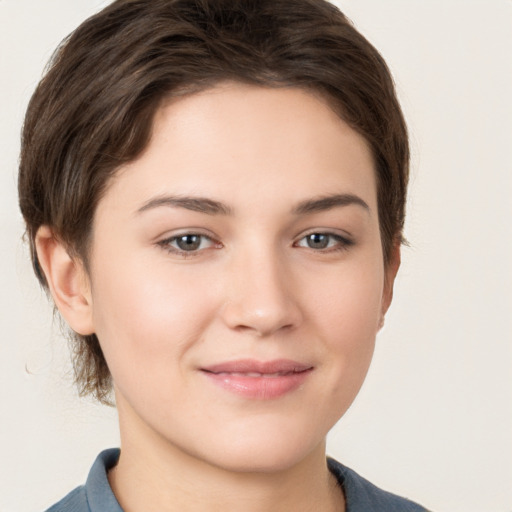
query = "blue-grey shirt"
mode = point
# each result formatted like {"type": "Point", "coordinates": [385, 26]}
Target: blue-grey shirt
{"type": "Point", "coordinates": [97, 496]}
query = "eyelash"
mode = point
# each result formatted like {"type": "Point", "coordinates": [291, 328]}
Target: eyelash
{"type": "Point", "coordinates": [166, 244]}
{"type": "Point", "coordinates": [341, 243]}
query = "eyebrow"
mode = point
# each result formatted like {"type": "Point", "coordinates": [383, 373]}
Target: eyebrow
{"type": "Point", "coordinates": [212, 207]}
{"type": "Point", "coordinates": [324, 203]}
{"type": "Point", "coordinates": [196, 204]}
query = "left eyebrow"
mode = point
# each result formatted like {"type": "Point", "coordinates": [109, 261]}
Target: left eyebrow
{"type": "Point", "coordinates": [196, 204]}
{"type": "Point", "coordinates": [324, 203]}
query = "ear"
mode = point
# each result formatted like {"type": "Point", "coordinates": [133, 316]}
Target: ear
{"type": "Point", "coordinates": [390, 271]}
{"type": "Point", "coordinates": [68, 281]}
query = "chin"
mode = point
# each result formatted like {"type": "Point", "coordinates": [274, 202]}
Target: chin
{"type": "Point", "coordinates": [255, 452]}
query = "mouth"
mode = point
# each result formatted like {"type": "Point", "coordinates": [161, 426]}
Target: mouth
{"type": "Point", "coordinates": [260, 380]}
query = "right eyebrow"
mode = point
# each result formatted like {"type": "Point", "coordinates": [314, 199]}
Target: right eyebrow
{"type": "Point", "coordinates": [324, 203]}
{"type": "Point", "coordinates": [196, 204]}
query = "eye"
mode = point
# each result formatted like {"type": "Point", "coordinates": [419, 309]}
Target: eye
{"type": "Point", "coordinates": [187, 243]}
{"type": "Point", "coordinates": [324, 241]}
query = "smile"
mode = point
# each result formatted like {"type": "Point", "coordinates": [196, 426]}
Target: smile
{"type": "Point", "coordinates": [259, 380]}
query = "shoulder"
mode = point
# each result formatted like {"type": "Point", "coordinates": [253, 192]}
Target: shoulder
{"type": "Point", "coordinates": [362, 496]}
{"type": "Point", "coordinates": [96, 495]}
{"type": "Point", "coordinates": [75, 501]}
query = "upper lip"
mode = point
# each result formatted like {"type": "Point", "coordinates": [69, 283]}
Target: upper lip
{"type": "Point", "coordinates": [252, 366]}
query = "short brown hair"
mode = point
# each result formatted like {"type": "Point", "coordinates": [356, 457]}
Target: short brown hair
{"type": "Point", "coordinates": [94, 108]}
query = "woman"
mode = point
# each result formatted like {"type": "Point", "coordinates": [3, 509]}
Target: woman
{"type": "Point", "coordinates": [214, 194]}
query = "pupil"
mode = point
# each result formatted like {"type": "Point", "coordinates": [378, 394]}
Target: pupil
{"type": "Point", "coordinates": [189, 242]}
{"type": "Point", "coordinates": [318, 241]}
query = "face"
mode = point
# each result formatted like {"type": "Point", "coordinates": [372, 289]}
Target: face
{"type": "Point", "coordinates": [236, 277]}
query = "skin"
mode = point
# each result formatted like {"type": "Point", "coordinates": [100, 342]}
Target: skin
{"type": "Point", "coordinates": [256, 287]}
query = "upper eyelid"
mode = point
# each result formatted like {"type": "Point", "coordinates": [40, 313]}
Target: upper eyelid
{"type": "Point", "coordinates": [327, 231]}
{"type": "Point", "coordinates": [173, 234]}
{"type": "Point", "coordinates": [187, 233]}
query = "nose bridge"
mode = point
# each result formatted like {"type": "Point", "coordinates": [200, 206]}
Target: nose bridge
{"type": "Point", "coordinates": [261, 296]}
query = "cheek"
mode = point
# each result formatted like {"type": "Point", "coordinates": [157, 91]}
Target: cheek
{"type": "Point", "coordinates": [350, 302]}
{"type": "Point", "coordinates": [348, 315]}
{"type": "Point", "coordinates": [145, 318]}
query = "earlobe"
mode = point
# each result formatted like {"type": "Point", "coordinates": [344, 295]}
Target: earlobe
{"type": "Point", "coordinates": [390, 272]}
{"type": "Point", "coordinates": [68, 281]}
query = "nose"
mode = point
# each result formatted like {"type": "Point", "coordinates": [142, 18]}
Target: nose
{"type": "Point", "coordinates": [262, 296]}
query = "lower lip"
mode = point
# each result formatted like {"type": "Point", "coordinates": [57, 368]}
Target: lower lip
{"type": "Point", "coordinates": [259, 388]}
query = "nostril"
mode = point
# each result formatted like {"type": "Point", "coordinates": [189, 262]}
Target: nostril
{"type": "Point", "coordinates": [261, 323]}
{"type": "Point", "coordinates": [259, 297]}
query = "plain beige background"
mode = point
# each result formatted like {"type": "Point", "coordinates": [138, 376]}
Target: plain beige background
{"type": "Point", "coordinates": [434, 419]}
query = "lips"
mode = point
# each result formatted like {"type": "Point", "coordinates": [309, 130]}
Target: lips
{"type": "Point", "coordinates": [261, 380]}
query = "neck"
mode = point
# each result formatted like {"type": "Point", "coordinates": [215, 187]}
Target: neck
{"type": "Point", "coordinates": [152, 474]}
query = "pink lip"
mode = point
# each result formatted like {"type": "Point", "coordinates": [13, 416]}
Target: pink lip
{"type": "Point", "coordinates": [262, 380]}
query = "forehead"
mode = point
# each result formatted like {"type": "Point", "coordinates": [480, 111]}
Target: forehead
{"type": "Point", "coordinates": [242, 142]}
